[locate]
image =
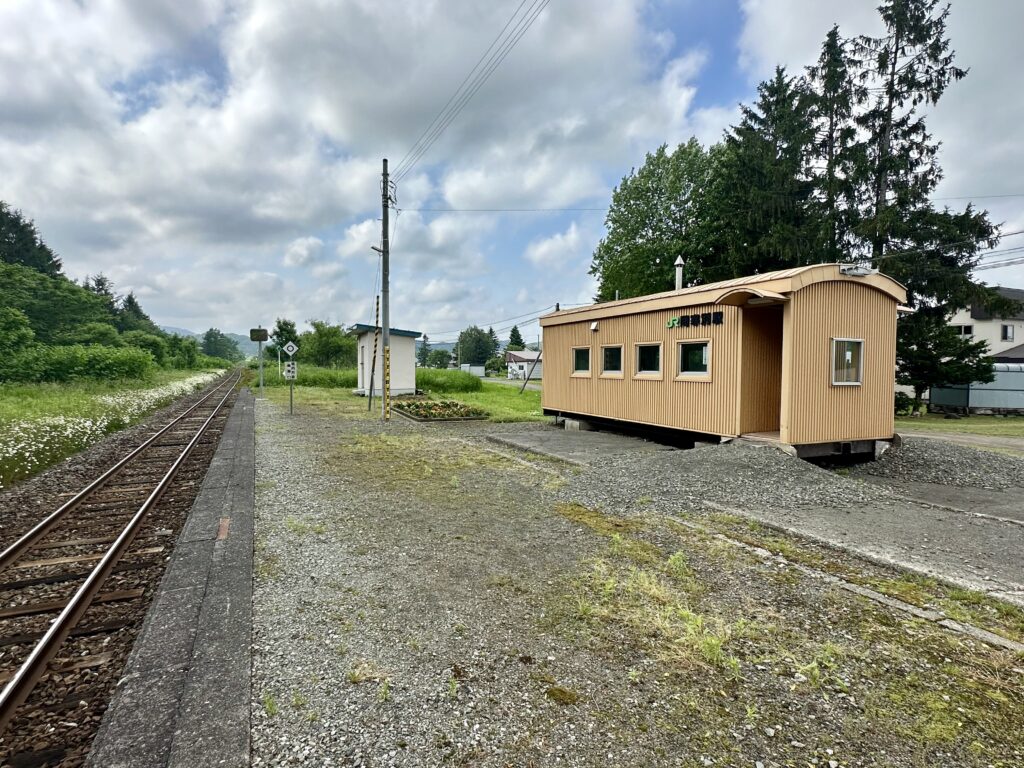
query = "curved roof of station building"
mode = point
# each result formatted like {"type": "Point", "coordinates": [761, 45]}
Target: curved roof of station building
{"type": "Point", "coordinates": [768, 287]}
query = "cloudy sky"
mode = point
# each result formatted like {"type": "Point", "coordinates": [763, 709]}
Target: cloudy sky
{"type": "Point", "coordinates": [222, 159]}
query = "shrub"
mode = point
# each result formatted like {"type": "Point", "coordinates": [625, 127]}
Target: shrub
{"type": "Point", "coordinates": [93, 333]}
{"type": "Point", "coordinates": [15, 330]}
{"type": "Point", "coordinates": [313, 376]}
{"type": "Point", "coordinates": [437, 380]}
{"type": "Point", "coordinates": [54, 364]}
{"type": "Point", "coordinates": [152, 343]}
{"type": "Point", "coordinates": [904, 403]}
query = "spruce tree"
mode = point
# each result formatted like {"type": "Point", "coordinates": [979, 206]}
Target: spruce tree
{"type": "Point", "coordinates": [20, 243]}
{"type": "Point", "coordinates": [515, 340]}
{"type": "Point", "coordinates": [423, 353]}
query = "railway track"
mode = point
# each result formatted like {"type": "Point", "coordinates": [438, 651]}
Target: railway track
{"type": "Point", "coordinates": [75, 587]}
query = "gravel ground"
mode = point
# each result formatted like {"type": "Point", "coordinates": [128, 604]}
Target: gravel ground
{"type": "Point", "coordinates": [422, 599]}
{"type": "Point", "coordinates": [935, 461]}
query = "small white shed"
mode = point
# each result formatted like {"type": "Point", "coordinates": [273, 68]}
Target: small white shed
{"type": "Point", "coordinates": [403, 360]}
{"type": "Point", "coordinates": [520, 363]}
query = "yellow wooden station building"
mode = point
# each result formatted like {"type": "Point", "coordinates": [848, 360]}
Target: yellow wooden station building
{"type": "Point", "coordinates": [804, 357]}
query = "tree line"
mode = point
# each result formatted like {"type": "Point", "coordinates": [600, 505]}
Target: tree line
{"type": "Point", "coordinates": [834, 163]}
{"type": "Point", "coordinates": [53, 328]}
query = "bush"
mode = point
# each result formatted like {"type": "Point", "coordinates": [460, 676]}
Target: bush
{"type": "Point", "coordinates": [313, 376]}
{"type": "Point", "coordinates": [152, 343]}
{"type": "Point", "coordinates": [904, 404]}
{"type": "Point", "coordinates": [54, 364]}
{"type": "Point", "coordinates": [437, 380]}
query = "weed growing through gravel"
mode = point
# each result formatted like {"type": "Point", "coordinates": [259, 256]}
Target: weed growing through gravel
{"type": "Point", "coordinates": [741, 653]}
{"type": "Point", "coordinates": [269, 704]}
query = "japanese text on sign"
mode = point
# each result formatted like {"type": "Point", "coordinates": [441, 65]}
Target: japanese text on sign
{"type": "Point", "coordinates": [695, 320]}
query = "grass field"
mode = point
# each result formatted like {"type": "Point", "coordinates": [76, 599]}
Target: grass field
{"type": "Point", "coordinates": [994, 426]}
{"type": "Point", "coordinates": [40, 424]}
{"type": "Point", "coordinates": [501, 402]}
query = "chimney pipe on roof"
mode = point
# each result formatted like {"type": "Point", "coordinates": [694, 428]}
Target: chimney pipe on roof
{"type": "Point", "coordinates": [679, 272]}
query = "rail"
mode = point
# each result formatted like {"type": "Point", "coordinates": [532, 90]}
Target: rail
{"type": "Point", "coordinates": [34, 667]}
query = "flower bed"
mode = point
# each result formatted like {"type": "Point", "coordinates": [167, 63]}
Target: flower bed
{"type": "Point", "coordinates": [31, 445]}
{"type": "Point", "coordinates": [438, 410]}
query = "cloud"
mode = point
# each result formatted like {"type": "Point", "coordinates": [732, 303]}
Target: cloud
{"type": "Point", "coordinates": [303, 251]}
{"type": "Point", "coordinates": [555, 251]}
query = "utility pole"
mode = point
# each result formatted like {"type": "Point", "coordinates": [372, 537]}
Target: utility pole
{"type": "Point", "coordinates": [385, 271]}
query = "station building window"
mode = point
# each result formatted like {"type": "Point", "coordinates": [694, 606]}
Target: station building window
{"type": "Point", "coordinates": [1007, 333]}
{"type": "Point", "coordinates": [648, 360]}
{"type": "Point", "coordinates": [611, 361]}
{"type": "Point", "coordinates": [847, 362]}
{"type": "Point", "coordinates": [581, 361]}
{"type": "Point", "coordinates": [694, 359]}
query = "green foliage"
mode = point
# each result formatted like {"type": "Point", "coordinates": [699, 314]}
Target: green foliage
{"type": "Point", "coordinates": [475, 346]}
{"type": "Point", "coordinates": [837, 166]}
{"type": "Point", "coordinates": [439, 358]}
{"type": "Point", "coordinates": [423, 351]}
{"type": "Point", "coordinates": [930, 353]}
{"type": "Point", "coordinates": [328, 346]}
{"type": "Point", "coordinates": [41, 363]}
{"type": "Point", "coordinates": [182, 352]}
{"type": "Point", "coordinates": [15, 331]}
{"type": "Point", "coordinates": [314, 376]}
{"type": "Point", "coordinates": [495, 363]}
{"type": "Point", "coordinates": [445, 381]}
{"type": "Point", "coordinates": [103, 334]}
{"type": "Point", "coordinates": [217, 344]}
{"type": "Point", "coordinates": [515, 340]}
{"type": "Point", "coordinates": [155, 345]}
{"type": "Point", "coordinates": [21, 244]}
{"type": "Point", "coordinates": [902, 404]}
{"type": "Point", "coordinates": [283, 332]}
{"type": "Point", "coordinates": [655, 216]}
{"type": "Point", "coordinates": [53, 305]}
{"type": "Point", "coordinates": [131, 317]}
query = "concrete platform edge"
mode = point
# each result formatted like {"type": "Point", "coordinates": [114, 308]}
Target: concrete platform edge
{"type": "Point", "coordinates": [183, 699]}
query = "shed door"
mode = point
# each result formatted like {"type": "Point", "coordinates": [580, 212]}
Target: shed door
{"type": "Point", "coordinates": [761, 369]}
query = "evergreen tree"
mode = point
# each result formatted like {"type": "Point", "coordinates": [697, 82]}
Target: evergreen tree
{"type": "Point", "coordinates": [217, 344]}
{"type": "Point", "coordinates": [834, 97]}
{"type": "Point", "coordinates": [103, 287]}
{"type": "Point", "coordinates": [495, 344]}
{"type": "Point", "coordinates": [131, 317]}
{"type": "Point", "coordinates": [764, 188]}
{"type": "Point", "coordinates": [515, 340]}
{"type": "Point", "coordinates": [20, 243]}
{"type": "Point", "coordinates": [931, 252]}
{"type": "Point", "coordinates": [423, 353]}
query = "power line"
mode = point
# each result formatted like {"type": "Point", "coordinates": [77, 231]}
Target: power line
{"type": "Point", "coordinates": [452, 110]}
{"type": "Point", "coordinates": [415, 147]}
{"type": "Point", "coordinates": [537, 312]}
{"type": "Point", "coordinates": [506, 210]}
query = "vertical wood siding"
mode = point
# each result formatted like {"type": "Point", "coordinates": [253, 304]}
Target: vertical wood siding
{"type": "Point", "coordinates": [761, 370]}
{"type": "Point", "coordinates": [700, 406]}
{"type": "Point", "coordinates": [819, 411]}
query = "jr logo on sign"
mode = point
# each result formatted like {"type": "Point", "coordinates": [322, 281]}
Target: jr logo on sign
{"type": "Point", "coordinates": [693, 321]}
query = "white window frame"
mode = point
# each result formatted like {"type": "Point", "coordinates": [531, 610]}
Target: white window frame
{"type": "Point", "coordinates": [832, 363]}
{"type": "Point", "coordinates": [622, 362]}
{"type": "Point", "coordinates": [1006, 332]}
{"type": "Point", "coordinates": [590, 363]}
{"type": "Point", "coordinates": [692, 375]}
{"type": "Point", "coordinates": [658, 374]}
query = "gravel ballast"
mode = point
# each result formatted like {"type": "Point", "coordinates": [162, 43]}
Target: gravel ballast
{"type": "Point", "coordinates": [422, 598]}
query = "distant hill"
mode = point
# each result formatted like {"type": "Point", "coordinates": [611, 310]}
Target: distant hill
{"type": "Point", "coordinates": [248, 348]}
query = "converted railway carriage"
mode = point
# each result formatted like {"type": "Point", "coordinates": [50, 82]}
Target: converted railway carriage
{"type": "Point", "coordinates": [805, 357]}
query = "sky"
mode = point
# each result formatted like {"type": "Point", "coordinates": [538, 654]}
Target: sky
{"type": "Point", "coordinates": [222, 159]}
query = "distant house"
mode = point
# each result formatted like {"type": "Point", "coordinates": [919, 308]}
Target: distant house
{"type": "Point", "coordinates": [403, 360]}
{"type": "Point", "coordinates": [519, 364]}
{"type": "Point", "coordinates": [1005, 335]}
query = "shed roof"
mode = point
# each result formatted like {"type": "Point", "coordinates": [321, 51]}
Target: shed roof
{"type": "Point", "coordinates": [766, 285]}
{"type": "Point", "coordinates": [1012, 355]}
{"type": "Point", "coordinates": [360, 328]}
{"type": "Point", "coordinates": [521, 356]}
{"type": "Point", "coordinates": [981, 312]}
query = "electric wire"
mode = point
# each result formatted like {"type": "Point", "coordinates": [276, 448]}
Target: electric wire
{"type": "Point", "coordinates": [494, 60]}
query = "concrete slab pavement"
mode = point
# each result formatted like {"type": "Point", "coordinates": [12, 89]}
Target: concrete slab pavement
{"type": "Point", "coordinates": [183, 701]}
